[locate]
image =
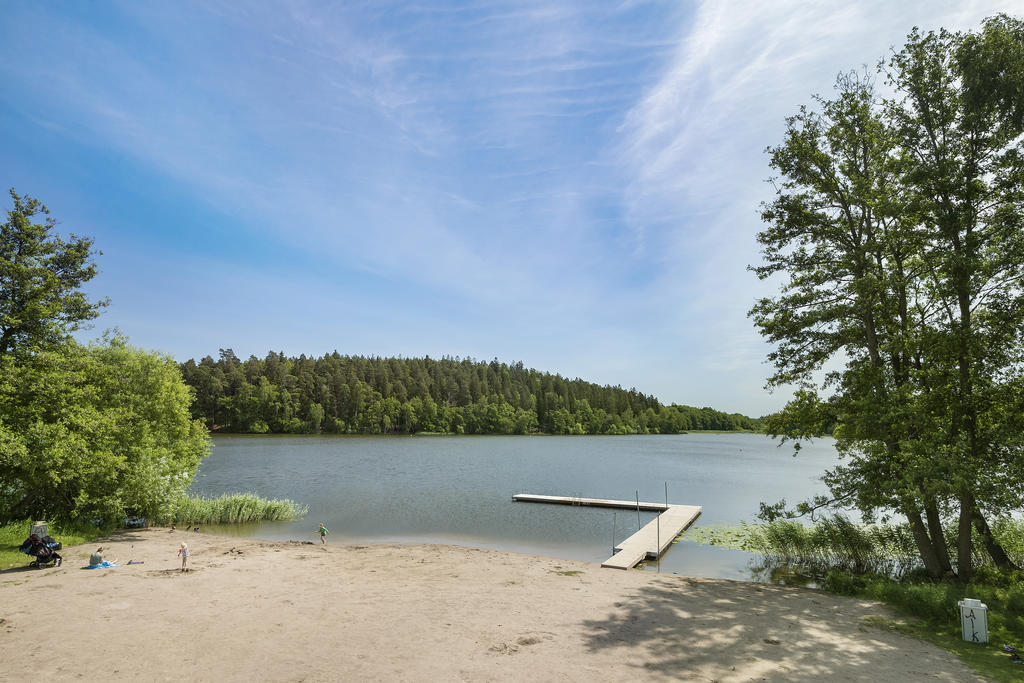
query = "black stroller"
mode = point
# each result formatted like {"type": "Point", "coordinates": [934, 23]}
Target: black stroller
{"type": "Point", "coordinates": [43, 549]}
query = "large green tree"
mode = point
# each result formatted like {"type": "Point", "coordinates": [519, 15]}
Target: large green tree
{"type": "Point", "coordinates": [85, 431]}
{"type": "Point", "coordinates": [959, 114]}
{"type": "Point", "coordinates": [836, 230]}
{"type": "Point", "coordinates": [95, 431]}
{"type": "Point", "coordinates": [897, 228]}
{"type": "Point", "coordinates": [40, 279]}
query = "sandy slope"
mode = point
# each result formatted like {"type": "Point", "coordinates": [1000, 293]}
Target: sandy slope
{"type": "Point", "coordinates": [258, 611]}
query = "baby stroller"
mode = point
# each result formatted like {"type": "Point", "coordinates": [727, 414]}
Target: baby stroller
{"type": "Point", "coordinates": [43, 549]}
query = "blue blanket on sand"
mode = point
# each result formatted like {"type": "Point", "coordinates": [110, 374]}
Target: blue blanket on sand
{"type": "Point", "coordinates": [102, 565]}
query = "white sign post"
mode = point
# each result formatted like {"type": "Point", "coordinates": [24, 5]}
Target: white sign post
{"type": "Point", "coordinates": [974, 620]}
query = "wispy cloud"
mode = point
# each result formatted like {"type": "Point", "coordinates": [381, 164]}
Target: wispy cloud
{"type": "Point", "coordinates": [694, 141]}
{"type": "Point", "coordinates": [570, 183]}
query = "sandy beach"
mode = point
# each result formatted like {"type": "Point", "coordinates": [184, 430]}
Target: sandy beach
{"type": "Point", "coordinates": [291, 611]}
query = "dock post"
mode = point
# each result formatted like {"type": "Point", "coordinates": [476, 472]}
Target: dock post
{"type": "Point", "coordinates": [658, 551]}
{"type": "Point", "coordinates": [659, 528]}
{"type": "Point", "coordinates": [638, 509]}
{"type": "Point", "coordinates": [613, 531]}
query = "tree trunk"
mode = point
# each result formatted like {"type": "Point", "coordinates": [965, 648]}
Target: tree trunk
{"type": "Point", "coordinates": [938, 536]}
{"type": "Point", "coordinates": [964, 560]}
{"type": "Point", "coordinates": [925, 547]}
{"type": "Point", "coordinates": [995, 550]}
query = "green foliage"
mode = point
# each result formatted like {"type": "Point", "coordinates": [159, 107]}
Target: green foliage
{"type": "Point", "coordinates": [1011, 536]}
{"type": "Point", "coordinates": [93, 432]}
{"type": "Point", "coordinates": [230, 509]}
{"type": "Point", "coordinates": [358, 395]}
{"type": "Point", "coordinates": [85, 432]}
{"type": "Point", "coordinates": [40, 276]}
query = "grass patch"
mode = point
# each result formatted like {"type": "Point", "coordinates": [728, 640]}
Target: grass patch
{"type": "Point", "coordinates": [987, 659]}
{"type": "Point", "coordinates": [14, 534]}
{"type": "Point", "coordinates": [233, 509]}
{"type": "Point", "coordinates": [936, 602]}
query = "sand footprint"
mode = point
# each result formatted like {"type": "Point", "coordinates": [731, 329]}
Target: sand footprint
{"type": "Point", "coordinates": [524, 640]}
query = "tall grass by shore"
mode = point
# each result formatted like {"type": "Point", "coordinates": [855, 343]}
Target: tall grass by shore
{"type": "Point", "coordinates": [232, 509]}
{"type": "Point", "coordinates": [835, 543]}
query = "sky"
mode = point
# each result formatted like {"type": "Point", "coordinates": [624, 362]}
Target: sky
{"type": "Point", "coordinates": [573, 185]}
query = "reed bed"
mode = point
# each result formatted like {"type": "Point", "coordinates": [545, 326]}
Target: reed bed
{"type": "Point", "coordinates": [233, 509]}
{"type": "Point", "coordinates": [834, 543]}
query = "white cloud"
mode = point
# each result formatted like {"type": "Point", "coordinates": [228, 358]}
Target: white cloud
{"type": "Point", "coordinates": [693, 144]}
{"type": "Point", "coordinates": [576, 180]}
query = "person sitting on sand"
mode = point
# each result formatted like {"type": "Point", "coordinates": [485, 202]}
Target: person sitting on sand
{"type": "Point", "coordinates": [183, 552]}
{"type": "Point", "coordinates": [323, 534]}
{"type": "Point", "coordinates": [96, 560]}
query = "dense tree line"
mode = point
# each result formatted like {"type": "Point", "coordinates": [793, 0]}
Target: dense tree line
{"type": "Point", "coordinates": [360, 395]}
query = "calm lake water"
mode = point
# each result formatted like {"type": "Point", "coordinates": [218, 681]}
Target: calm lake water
{"type": "Point", "coordinates": [458, 489]}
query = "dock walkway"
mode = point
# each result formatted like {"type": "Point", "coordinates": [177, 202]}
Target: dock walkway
{"type": "Point", "coordinates": [644, 544]}
{"type": "Point", "coordinates": [593, 502]}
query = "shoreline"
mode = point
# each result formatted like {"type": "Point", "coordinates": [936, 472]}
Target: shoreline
{"type": "Point", "coordinates": [283, 611]}
{"type": "Point", "coordinates": [219, 433]}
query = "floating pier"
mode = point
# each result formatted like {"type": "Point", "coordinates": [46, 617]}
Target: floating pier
{"type": "Point", "coordinates": [644, 543]}
{"type": "Point", "coordinates": [593, 502]}
{"type": "Point", "coordinates": [648, 542]}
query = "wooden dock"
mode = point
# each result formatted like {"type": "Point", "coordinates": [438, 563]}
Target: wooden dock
{"type": "Point", "coordinates": [593, 502]}
{"type": "Point", "coordinates": [644, 543]}
{"type": "Point", "coordinates": [671, 521]}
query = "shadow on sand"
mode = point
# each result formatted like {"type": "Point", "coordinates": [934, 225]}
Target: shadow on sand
{"type": "Point", "coordinates": [726, 630]}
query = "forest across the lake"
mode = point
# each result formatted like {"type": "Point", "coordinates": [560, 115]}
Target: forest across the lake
{"type": "Point", "coordinates": [373, 395]}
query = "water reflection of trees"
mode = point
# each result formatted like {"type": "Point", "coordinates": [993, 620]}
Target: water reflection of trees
{"type": "Point", "coordinates": [779, 573]}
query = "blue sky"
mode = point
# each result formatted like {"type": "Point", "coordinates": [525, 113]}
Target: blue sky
{"type": "Point", "coordinates": [570, 184]}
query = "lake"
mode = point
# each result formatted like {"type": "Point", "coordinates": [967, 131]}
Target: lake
{"type": "Point", "coordinates": [458, 489]}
